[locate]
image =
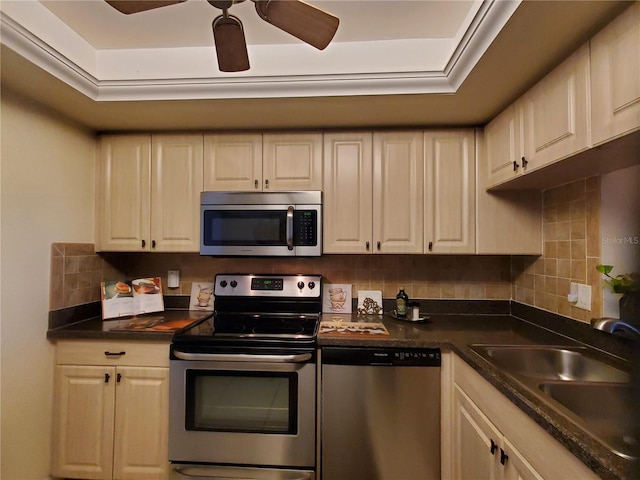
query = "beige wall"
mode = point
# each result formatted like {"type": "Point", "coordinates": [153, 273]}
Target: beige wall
{"type": "Point", "coordinates": [46, 196]}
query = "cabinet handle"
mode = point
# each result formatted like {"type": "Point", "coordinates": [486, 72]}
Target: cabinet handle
{"type": "Point", "coordinates": [143, 243]}
{"type": "Point", "coordinates": [153, 244]}
{"type": "Point", "coordinates": [367, 245]}
{"type": "Point", "coordinates": [494, 447]}
{"type": "Point", "coordinates": [431, 248]}
{"type": "Point", "coordinates": [256, 184]}
{"type": "Point", "coordinates": [378, 244]}
{"type": "Point", "coordinates": [516, 165]}
{"type": "Point", "coordinates": [524, 162]}
{"type": "Point", "coordinates": [503, 457]}
{"type": "Point", "coordinates": [106, 378]}
{"type": "Point", "coordinates": [114, 354]}
{"type": "Point", "coordinates": [266, 183]}
{"type": "Point", "coordinates": [118, 377]}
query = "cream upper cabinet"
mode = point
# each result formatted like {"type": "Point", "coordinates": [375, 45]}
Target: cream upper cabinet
{"type": "Point", "coordinates": [491, 438]}
{"type": "Point", "coordinates": [148, 193]}
{"type": "Point", "coordinates": [123, 176]}
{"type": "Point", "coordinates": [555, 113]}
{"type": "Point", "coordinates": [111, 410]}
{"type": "Point", "coordinates": [449, 191]}
{"type": "Point", "coordinates": [615, 77]}
{"type": "Point", "coordinates": [398, 177]}
{"type": "Point", "coordinates": [347, 196]}
{"type": "Point", "coordinates": [232, 162]}
{"type": "Point", "coordinates": [256, 162]}
{"type": "Point", "coordinates": [373, 192]}
{"type": "Point", "coordinates": [176, 184]}
{"type": "Point", "coordinates": [292, 161]}
{"type": "Point", "coordinates": [503, 146]}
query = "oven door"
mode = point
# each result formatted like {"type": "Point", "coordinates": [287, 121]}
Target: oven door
{"type": "Point", "coordinates": [252, 410]}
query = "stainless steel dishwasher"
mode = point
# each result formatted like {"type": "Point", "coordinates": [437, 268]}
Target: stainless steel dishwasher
{"type": "Point", "coordinates": [380, 413]}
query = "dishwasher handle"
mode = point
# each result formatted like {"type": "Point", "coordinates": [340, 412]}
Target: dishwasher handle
{"type": "Point", "coordinates": [241, 357]}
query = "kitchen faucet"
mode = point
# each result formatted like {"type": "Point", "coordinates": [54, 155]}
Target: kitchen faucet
{"type": "Point", "coordinates": [615, 326]}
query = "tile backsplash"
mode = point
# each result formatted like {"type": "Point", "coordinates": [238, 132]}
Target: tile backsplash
{"type": "Point", "coordinates": [571, 252]}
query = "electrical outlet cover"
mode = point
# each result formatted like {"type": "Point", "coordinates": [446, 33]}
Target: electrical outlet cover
{"type": "Point", "coordinates": [584, 297]}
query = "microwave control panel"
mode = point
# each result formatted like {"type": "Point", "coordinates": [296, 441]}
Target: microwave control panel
{"type": "Point", "coordinates": [305, 233]}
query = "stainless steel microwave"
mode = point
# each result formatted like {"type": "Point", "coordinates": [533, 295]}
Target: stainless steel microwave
{"type": "Point", "coordinates": [261, 223]}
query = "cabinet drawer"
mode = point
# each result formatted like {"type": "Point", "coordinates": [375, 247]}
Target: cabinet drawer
{"type": "Point", "coordinates": [95, 352]}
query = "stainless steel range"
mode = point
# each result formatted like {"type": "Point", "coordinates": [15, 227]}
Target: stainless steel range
{"type": "Point", "coordinates": [243, 383]}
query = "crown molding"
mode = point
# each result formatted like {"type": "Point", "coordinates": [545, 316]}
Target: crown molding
{"type": "Point", "coordinates": [487, 22]}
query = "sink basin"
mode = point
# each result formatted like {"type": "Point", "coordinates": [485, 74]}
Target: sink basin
{"type": "Point", "coordinates": [551, 363]}
{"type": "Point", "coordinates": [604, 409]}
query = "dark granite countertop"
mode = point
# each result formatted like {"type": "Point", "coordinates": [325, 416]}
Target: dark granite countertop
{"type": "Point", "coordinates": [451, 325]}
{"type": "Point", "coordinates": [456, 332]}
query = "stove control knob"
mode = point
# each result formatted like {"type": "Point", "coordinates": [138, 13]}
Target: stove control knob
{"type": "Point", "coordinates": [234, 284]}
{"type": "Point", "coordinates": [223, 283]}
{"type": "Point", "coordinates": [312, 285]}
{"type": "Point", "coordinates": [300, 285]}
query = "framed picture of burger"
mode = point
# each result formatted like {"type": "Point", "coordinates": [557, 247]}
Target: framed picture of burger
{"type": "Point", "coordinates": [336, 298]}
{"type": "Point", "coordinates": [122, 298]}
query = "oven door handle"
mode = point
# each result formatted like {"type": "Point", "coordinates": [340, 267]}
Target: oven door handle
{"type": "Point", "coordinates": [290, 228]}
{"type": "Point", "coordinates": [241, 357]}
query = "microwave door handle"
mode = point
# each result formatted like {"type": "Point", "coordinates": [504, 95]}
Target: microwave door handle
{"type": "Point", "coordinates": [239, 357]}
{"type": "Point", "coordinates": [290, 228]}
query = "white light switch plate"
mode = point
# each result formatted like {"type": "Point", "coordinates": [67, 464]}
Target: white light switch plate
{"type": "Point", "coordinates": [584, 297]}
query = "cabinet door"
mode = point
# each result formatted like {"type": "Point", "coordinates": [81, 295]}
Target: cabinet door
{"type": "Point", "coordinates": [233, 162]}
{"type": "Point", "coordinates": [503, 148]}
{"type": "Point", "coordinates": [122, 186]}
{"type": "Point", "coordinates": [615, 77]}
{"type": "Point", "coordinates": [83, 416]}
{"type": "Point", "coordinates": [292, 161]}
{"type": "Point", "coordinates": [556, 113]}
{"type": "Point", "coordinates": [449, 219]}
{"type": "Point", "coordinates": [398, 178]}
{"type": "Point", "coordinates": [141, 423]}
{"type": "Point", "coordinates": [516, 466]}
{"type": "Point", "coordinates": [347, 202]}
{"type": "Point", "coordinates": [175, 193]}
{"type": "Point", "coordinates": [476, 451]}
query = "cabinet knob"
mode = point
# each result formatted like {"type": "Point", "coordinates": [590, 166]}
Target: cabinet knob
{"type": "Point", "coordinates": [431, 248]}
{"type": "Point", "coordinates": [106, 378]}
{"type": "Point", "coordinates": [143, 243]}
{"type": "Point", "coordinates": [524, 162]}
{"type": "Point", "coordinates": [516, 165]}
{"type": "Point", "coordinates": [378, 244]}
{"type": "Point", "coordinates": [494, 447]}
{"type": "Point", "coordinates": [503, 457]}
{"type": "Point", "coordinates": [256, 183]}
{"type": "Point", "coordinates": [153, 244]}
{"type": "Point", "coordinates": [367, 245]}
{"type": "Point", "coordinates": [266, 183]}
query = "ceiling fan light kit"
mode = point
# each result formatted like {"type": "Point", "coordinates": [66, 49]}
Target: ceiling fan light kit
{"type": "Point", "coordinates": [305, 22]}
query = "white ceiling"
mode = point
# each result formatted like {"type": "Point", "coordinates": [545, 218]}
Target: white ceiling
{"type": "Point", "coordinates": [393, 63]}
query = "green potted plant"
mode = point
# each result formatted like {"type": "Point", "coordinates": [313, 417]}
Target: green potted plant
{"type": "Point", "coordinates": [627, 284]}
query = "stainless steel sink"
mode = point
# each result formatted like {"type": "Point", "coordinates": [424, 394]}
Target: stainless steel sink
{"type": "Point", "coordinates": [590, 389]}
{"type": "Point", "coordinates": [551, 363]}
{"type": "Point", "coordinates": [604, 409]}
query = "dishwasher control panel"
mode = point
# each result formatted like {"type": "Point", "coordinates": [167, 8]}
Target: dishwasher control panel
{"type": "Point", "coordinates": [393, 357]}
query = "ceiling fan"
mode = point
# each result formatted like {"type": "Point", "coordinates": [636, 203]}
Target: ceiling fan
{"type": "Point", "coordinates": [305, 22]}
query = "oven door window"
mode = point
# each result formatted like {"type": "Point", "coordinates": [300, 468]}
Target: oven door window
{"type": "Point", "coordinates": [247, 402]}
{"type": "Point", "coordinates": [245, 228]}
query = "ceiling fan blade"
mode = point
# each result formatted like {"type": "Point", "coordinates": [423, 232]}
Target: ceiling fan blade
{"type": "Point", "coordinates": [136, 6]}
{"type": "Point", "coordinates": [306, 22]}
{"type": "Point", "coordinates": [231, 46]}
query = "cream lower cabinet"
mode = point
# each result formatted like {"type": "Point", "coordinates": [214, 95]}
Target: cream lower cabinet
{"type": "Point", "coordinates": [110, 411]}
{"type": "Point", "coordinates": [373, 201]}
{"type": "Point", "coordinates": [449, 192]}
{"type": "Point", "coordinates": [486, 436]}
{"type": "Point", "coordinates": [615, 77]}
{"type": "Point", "coordinates": [148, 193]}
{"type": "Point", "coordinates": [269, 162]}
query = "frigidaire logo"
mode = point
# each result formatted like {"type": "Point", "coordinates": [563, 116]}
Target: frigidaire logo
{"type": "Point", "coordinates": [621, 240]}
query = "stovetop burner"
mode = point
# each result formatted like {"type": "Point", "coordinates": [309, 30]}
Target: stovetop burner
{"type": "Point", "coordinates": [254, 309]}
